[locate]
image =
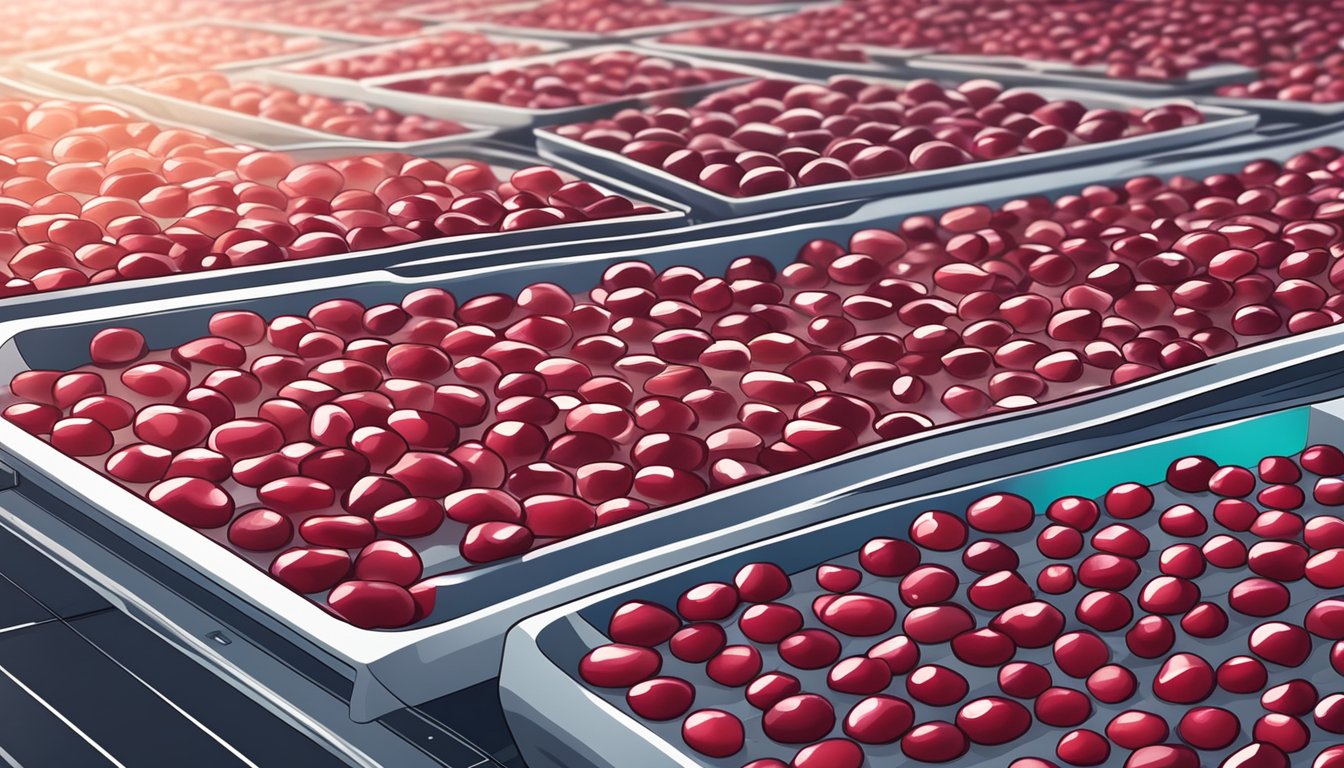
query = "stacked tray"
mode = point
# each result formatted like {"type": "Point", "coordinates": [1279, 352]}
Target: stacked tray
{"type": "Point", "coordinates": [459, 642]}
{"type": "Point", "coordinates": [291, 75]}
{"type": "Point", "coordinates": [1219, 123]}
{"type": "Point", "coordinates": [383, 90]}
{"type": "Point", "coordinates": [43, 67]}
{"type": "Point", "coordinates": [560, 720]}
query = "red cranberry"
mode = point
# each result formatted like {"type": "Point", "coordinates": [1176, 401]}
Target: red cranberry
{"type": "Point", "coordinates": [713, 732]}
{"type": "Point", "coordinates": [1257, 754]}
{"type": "Point", "coordinates": [766, 690]}
{"type": "Point", "coordinates": [799, 719]}
{"type": "Point", "coordinates": [619, 666]}
{"type": "Point", "coordinates": [642, 623]}
{"type": "Point", "coordinates": [1112, 684]}
{"type": "Point", "coordinates": [1024, 679]}
{"type": "Point", "coordinates": [1083, 747]}
{"type": "Point", "coordinates": [934, 742]}
{"type": "Point", "coordinates": [1295, 697]}
{"type": "Point", "coordinates": [1209, 728]}
{"type": "Point", "coordinates": [697, 643]}
{"type": "Point", "coordinates": [1184, 679]}
{"type": "Point", "coordinates": [993, 720]}
{"type": "Point", "coordinates": [661, 698]}
{"type": "Point", "coordinates": [1062, 707]}
{"type": "Point", "coordinates": [1134, 729]}
{"type": "Point", "coordinates": [899, 653]}
{"type": "Point", "coordinates": [936, 685]}
{"type": "Point", "coordinates": [810, 649]}
{"type": "Point", "coordinates": [879, 720]}
{"type": "Point", "coordinates": [1000, 513]}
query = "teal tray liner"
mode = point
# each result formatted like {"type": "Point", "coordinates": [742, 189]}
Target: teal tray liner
{"type": "Point", "coordinates": [1239, 443]}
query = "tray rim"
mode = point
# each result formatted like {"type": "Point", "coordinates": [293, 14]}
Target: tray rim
{"type": "Point", "coordinates": [1230, 121]}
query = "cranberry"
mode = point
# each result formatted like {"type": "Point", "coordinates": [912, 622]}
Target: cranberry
{"type": "Point", "coordinates": [713, 732]}
{"type": "Point", "coordinates": [1083, 747]}
{"type": "Point", "coordinates": [1295, 697]}
{"type": "Point", "coordinates": [1258, 755]}
{"type": "Point", "coordinates": [707, 602]}
{"type": "Point", "coordinates": [1163, 756]}
{"type": "Point", "coordinates": [619, 666]}
{"type": "Point", "coordinates": [1104, 611]}
{"type": "Point", "coordinates": [858, 615]}
{"type": "Point", "coordinates": [1062, 707]}
{"type": "Point", "coordinates": [1112, 684]}
{"type": "Point", "coordinates": [661, 698]}
{"type": "Point", "coordinates": [938, 531]}
{"type": "Point", "coordinates": [1128, 500]}
{"type": "Point", "coordinates": [936, 685]}
{"type": "Point", "coordinates": [734, 666]}
{"type": "Point", "coordinates": [1134, 729]}
{"type": "Point", "coordinates": [1242, 674]}
{"type": "Point", "coordinates": [831, 753]}
{"type": "Point", "coordinates": [898, 652]}
{"type": "Point", "coordinates": [1024, 679]}
{"type": "Point", "coordinates": [696, 643]}
{"type": "Point", "coordinates": [1209, 728]}
{"type": "Point", "coordinates": [810, 649]}
{"type": "Point", "coordinates": [1329, 713]}
{"type": "Point", "coordinates": [879, 720]}
{"type": "Point", "coordinates": [993, 720]}
{"type": "Point", "coordinates": [799, 719]}
{"type": "Point", "coordinates": [761, 582]}
{"type": "Point", "coordinates": [1074, 511]}
{"type": "Point", "coordinates": [934, 742]}
{"type": "Point", "coordinates": [642, 623]}
{"type": "Point", "coordinates": [1000, 513]}
{"type": "Point", "coordinates": [1079, 654]}
{"type": "Point", "coordinates": [766, 690]}
{"type": "Point", "coordinates": [888, 558]}
{"type": "Point", "coordinates": [1191, 474]}
{"type": "Point", "coordinates": [1184, 678]}
{"type": "Point", "coordinates": [941, 623]}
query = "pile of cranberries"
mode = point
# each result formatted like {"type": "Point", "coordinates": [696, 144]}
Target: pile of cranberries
{"type": "Point", "coordinates": [369, 18]}
{"type": "Point", "coordinates": [773, 135]}
{"type": "Point", "coordinates": [477, 429]}
{"type": "Point", "coordinates": [35, 25]}
{"type": "Point", "coordinates": [1129, 39]}
{"type": "Point", "coordinates": [596, 16]}
{"type": "Point", "coordinates": [583, 79]}
{"type": "Point", "coordinates": [320, 113]}
{"type": "Point", "coordinates": [1126, 628]}
{"type": "Point", "coordinates": [96, 195]}
{"type": "Point", "coordinates": [148, 55]}
{"type": "Point", "coordinates": [445, 49]}
{"type": "Point", "coordinates": [451, 9]}
{"type": "Point", "coordinates": [1318, 82]}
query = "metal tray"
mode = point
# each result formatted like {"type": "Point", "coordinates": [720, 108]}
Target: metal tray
{"type": "Point", "coordinates": [1220, 122]}
{"type": "Point", "coordinates": [754, 7]}
{"type": "Point", "coordinates": [346, 88]}
{"type": "Point", "coordinates": [41, 67]}
{"type": "Point", "coordinates": [426, 10]}
{"type": "Point", "coordinates": [559, 721]}
{"type": "Point", "coordinates": [275, 134]}
{"type": "Point", "coordinates": [332, 34]}
{"type": "Point", "coordinates": [578, 37]}
{"type": "Point", "coordinates": [379, 90]}
{"type": "Point", "coordinates": [1029, 72]}
{"type": "Point", "coordinates": [476, 607]}
{"type": "Point", "coordinates": [462, 249]}
{"type": "Point", "coordinates": [1304, 111]}
{"type": "Point", "coordinates": [789, 65]}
